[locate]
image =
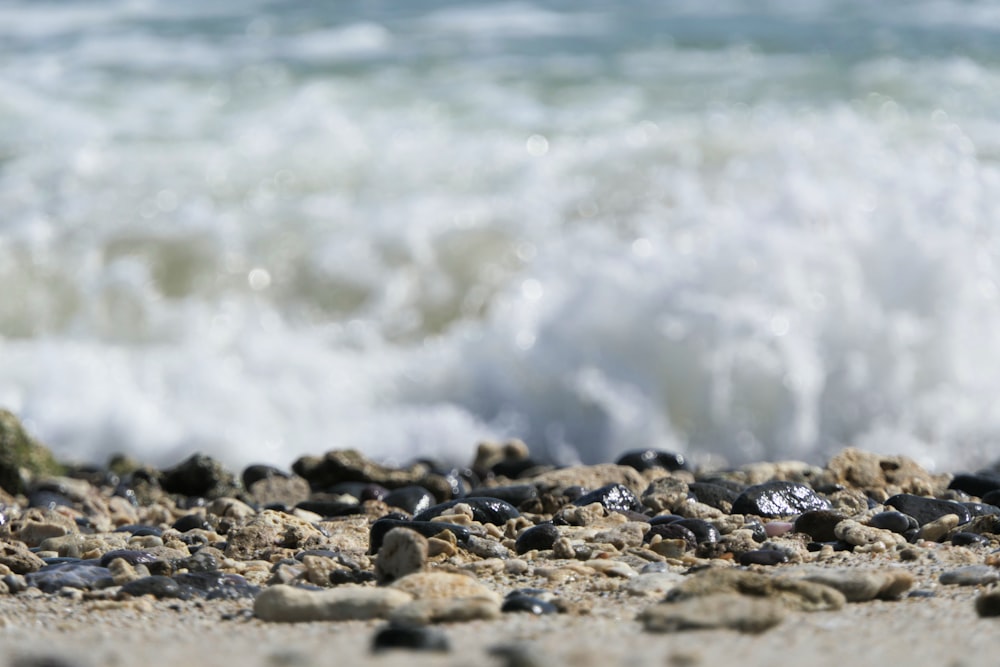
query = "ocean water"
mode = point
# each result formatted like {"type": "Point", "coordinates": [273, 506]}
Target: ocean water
{"type": "Point", "coordinates": [739, 229]}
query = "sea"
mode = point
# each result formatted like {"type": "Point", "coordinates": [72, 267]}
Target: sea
{"type": "Point", "coordinates": [738, 229]}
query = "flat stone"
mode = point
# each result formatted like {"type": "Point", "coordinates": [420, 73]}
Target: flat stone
{"type": "Point", "coordinates": [938, 529]}
{"type": "Point", "coordinates": [971, 575]}
{"type": "Point", "coordinates": [925, 510]}
{"type": "Point", "coordinates": [447, 610]}
{"type": "Point", "coordinates": [715, 611]}
{"type": "Point", "coordinates": [430, 585]}
{"type": "Point", "coordinates": [288, 604]}
{"type": "Point", "coordinates": [858, 585]}
{"type": "Point", "coordinates": [794, 594]}
{"type": "Point", "coordinates": [858, 534]}
{"type": "Point", "coordinates": [779, 499]}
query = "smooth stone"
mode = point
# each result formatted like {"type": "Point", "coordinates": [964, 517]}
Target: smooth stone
{"type": "Point", "coordinates": [671, 531]}
{"type": "Point", "coordinates": [975, 484]}
{"type": "Point", "coordinates": [652, 459]}
{"type": "Point", "coordinates": [991, 498]}
{"type": "Point", "coordinates": [83, 575]}
{"type": "Point", "coordinates": [963, 539]}
{"type": "Point", "coordinates": [405, 637]}
{"type": "Point", "coordinates": [860, 585]}
{"type": "Point", "coordinates": [715, 611]}
{"type": "Point", "coordinates": [515, 494]}
{"type": "Point", "coordinates": [988, 604]}
{"type": "Point", "coordinates": [48, 500]}
{"type": "Point", "coordinates": [982, 509]}
{"type": "Point", "coordinates": [778, 528]}
{"type": "Point", "coordinates": [411, 499]}
{"type": "Point", "coordinates": [283, 603]}
{"type": "Point", "coordinates": [484, 510]}
{"type": "Point", "coordinates": [938, 529]}
{"type": "Point", "coordinates": [860, 535]}
{"type": "Point", "coordinates": [897, 522]}
{"type": "Point", "coordinates": [794, 594]}
{"type": "Point", "coordinates": [613, 497]}
{"type": "Point", "coordinates": [255, 473]}
{"type": "Point", "coordinates": [330, 508]}
{"type": "Point", "coordinates": [216, 585]}
{"type": "Point", "coordinates": [536, 538]}
{"type": "Point", "coordinates": [925, 510]}
{"type": "Point", "coordinates": [779, 499]}
{"type": "Point", "coordinates": [520, 603]}
{"type": "Point", "coordinates": [446, 610]}
{"type": "Point", "coordinates": [819, 524]}
{"type": "Point", "coordinates": [380, 528]}
{"type": "Point", "coordinates": [200, 476]}
{"type": "Point", "coordinates": [191, 522]}
{"type": "Point", "coordinates": [403, 552]}
{"type": "Point", "coordinates": [140, 530]}
{"type": "Point", "coordinates": [157, 586]}
{"type": "Point", "coordinates": [130, 556]}
{"type": "Point", "coordinates": [763, 557]}
{"type": "Point", "coordinates": [443, 585]}
{"type": "Point", "coordinates": [970, 575]}
{"type": "Point", "coordinates": [704, 532]}
{"type": "Point", "coordinates": [713, 495]}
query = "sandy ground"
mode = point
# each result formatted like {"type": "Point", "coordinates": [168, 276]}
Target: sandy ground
{"type": "Point", "coordinates": [942, 630]}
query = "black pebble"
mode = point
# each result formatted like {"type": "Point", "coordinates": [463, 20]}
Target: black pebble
{"type": "Point", "coordinates": [513, 468]}
{"type": "Point", "coordinates": [976, 484]}
{"type": "Point", "coordinates": [713, 495]}
{"type": "Point", "coordinates": [140, 530]}
{"type": "Point", "coordinates": [254, 473]}
{"type": "Point", "coordinates": [925, 510]}
{"type": "Point", "coordinates": [157, 586]}
{"type": "Point", "coordinates": [539, 537]}
{"type": "Point", "coordinates": [963, 539]}
{"type": "Point", "coordinates": [130, 556]}
{"type": "Point", "coordinates": [896, 522]}
{"type": "Point", "coordinates": [704, 532]}
{"type": "Point", "coordinates": [763, 557]}
{"type": "Point", "coordinates": [819, 524]}
{"type": "Point", "coordinates": [981, 509]}
{"type": "Point", "coordinates": [426, 528]}
{"type": "Point", "coordinates": [330, 508]}
{"type": "Point", "coordinates": [779, 499]}
{"type": "Point", "coordinates": [757, 529]}
{"type": "Point", "coordinates": [191, 522]}
{"type": "Point", "coordinates": [518, 602]}
{"type": "Point", "coordinates": [484, 510]}
{"type": "Point", "coordinates": [671, 531]}
{"type": "Point", "coordinates": [646, 459]}
{"type": "Point", "coordinates": [48, 500]}
{"type": "Point", "coordinates": [215, 586]}
{"type": "Point", "coordinates": [515, 494]}
{"type": "Point", "coordinates": [411, 499]}
{"type": "Point", "coordinates": [613, 497]}
{"type": "Point", "coordinates": [409, 637]}
{"type": "Point", "coordinates": [992, 498]}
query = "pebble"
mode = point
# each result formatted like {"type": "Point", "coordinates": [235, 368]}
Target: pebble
{"type": "Point", "coordinates": [613, 497]}
{"type": "Point", "coordinates": [652, 459]}
{"type": "Point", "coordinates": [858, 534]}
{"type": "Point", "coordinates": [403, 552]}
{"type": "Point", "coordinates": [860, 585]}
{"type": "Point", "coordinates": [157, 586]}
{"type": "Point", "coordinates": [447, 610]}
{"type": "Point", "coordinates": [410, 638]}
{"type": "Point", "coordinates": [540, 538]}
{"type": "Point", "coordinates": [779, 499]}
{"type": "Point", "coordinates": [763, 557]}
{"type": "Point", "coordinates": [443, 585]}
{"type": "Point", "coordinates": [925, 510]}
{"type": "Point", "coordinates": [520, 603]}
{"type": "Point", "coordinates": [988, 604]}
{"type": "Point", "coordinates": [82, 575]}
{"type": "Point", "coordinates": [897, 522]}
{"type": "Point", "coordinates": [715, 611]}
{"type": "Point", "coordinates": [971, 575]}
{"type": "Point", "coordinates": [216, 585]}
{"type": "Point", "coordinates": [671, 531]}
{"type": "Point", "coordinates": [130, 556]}
{"type": "Point", "coordinates": [714, 495]}
{"type": "Point", "coordinates": [411, 499]}
{"type": "Point", "coordinates": [794, 594]}
{"type": "Point", "coordinates": [426, 528]}
{"type": "Point", "coordinates": [19, 558]}
{"type": "Point", "coordinates": [963, 539]}
{"type": "Point", "coordinates": [938, 529]}
{"type": "Point", "coordinates": [484, 510]}
{"type": "Point", "coordinates": [515, 494]}
{"type": "Point", "coordinates": [975, 484]}
{"type": "Point", "coordinates": [288, 604]}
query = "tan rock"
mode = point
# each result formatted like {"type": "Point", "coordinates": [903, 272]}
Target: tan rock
{"type": "Point", "coordinates": [443, 610]}
{"type": "Point", "coordinates": [293, 605]}
{"type": "Point", "coordinates": [892, 474]}
{"type": "Point", "coordinates": [936, 530]}
{"type": "Point", "coordinates": [271, 530]}
{"type": "Point", "coordinates": [403, 552]}
{"type": "Point", "coordinates": [860, 585]}
{"type": "Point", "coordinates": [860, 535]}
{"type": "Point", "coordinates": [715, 611]}
{"type": "Point", "coordinates": [443, 585]}
{"type": "Point", "coordinates": [35, 525]}
{"type": "Point", "coordinates": [18, 558]}
{"type": "Point", "coordinates": [590, 477]}
{"type": "Point", "coordinates": [794, 594]}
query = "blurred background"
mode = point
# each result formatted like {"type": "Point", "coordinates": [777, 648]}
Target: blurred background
{"type": "Point", "coordinates": [738, 229]}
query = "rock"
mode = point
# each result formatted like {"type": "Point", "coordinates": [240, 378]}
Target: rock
{"type": "Point", "coordinates": [975, 484]}
{"type": "Point", "coordinates": [590, 477]}
{"type": "Point", "coordinates": [938, 529]}
{"type": "Point", "coordinates": [349, 465]}
{"type": "Point", "coordinates": [540, 538]}
{"type": "Point", "coordinates": [411, 499]}
{"type": "Point", "coordinates": [446, 610]}
{"type": "Point", "coordinates": [970, 575]}
{"type": "Point", "coordinates": [988, 524]}
{"type": "Point", "coordinates": [897, 522]}
{"type": "Point", "coordinates": [443, 585]}
{"type": "Point", "coordinates": [157, 586]}
{"type": "Point", "coordinates": [652, 459]}
{"type": "Point", "coordinates": [800, 595]}
{"type": "Point", "coordinates": [714, 495]}
{"type": "Point", "coordinates": [288, 604]}
{"type": "Point", "coordinates": [17, 557]}
{"type": "Point", "coordinates": [484, 510]}
{"type": "Point", "coordinates": [527, 604]}
{"type": "Point", "coordinates": [819, 524]}
{"type": "Point", "coordinates": [271, 530]}
{"type": "Point", "coordinates": [671, 531]}
{"type": "Point", "coordinates": [894, 474]}
{"type": "Point", "coordinates": [200, 476]}
{"type": "Point", "coordinates": [653, 584]}
{"type": "Point", "coordinates": [21, 457]}
{"type": "Point", "coordinates": [130, 556]}
{"type": "Point", "coordinates": [287, 490]}
{"type": "Point", "coordinates": [612, 497]}
{"type": "Point", "coordinates": [925, 510]}
{"type": "Point", "coordinates": [515, 494]}
{"type": "Point", "coordinates": [79, 574]}
{"type": "Point", "coordinates": [860, 585]}
{"type": "Point", "coordinates": [858, 534]}
{"type": "Point", "coordinates": [988, 604]}
{"type": "Point", "coordinates": [763, 557]}
{"type": "Point", "coordinates": [779, 499]}
{"type": "Point", "coordinates": [715, 611]}
{"type": "Point", "coordinates": [397, 636]}
{"type": "Point", "coordinates": [964, 539]}
{"type": "Point", "coordinates": [215, 586]}
{"type": "Point", "coordinates": [35, 525]}
{"type": "Point", "coordinates": [403, 552]}
{"type": "Point", "coordinates": [380, 528]}
{"type": "Point", "coordinates": [665, 494]}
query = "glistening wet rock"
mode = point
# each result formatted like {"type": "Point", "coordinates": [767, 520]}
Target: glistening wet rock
{"type": "Point", "coordinates": [539, 537]}
{"type": "Point", "coordinates": [515, 494]}
{"type": "Point", "coordinates": [975, 484]}
{"type": "Point", "coordinates": [83, 575]}
{"type": "Point", "coordinates": [713, 495]}
{"type": "Point", "coordinates": [613, 497]}
{"type": "Point", "coordinates": [819, 524]}
{"type": "Point", "coordinates": [646, 459]}
{"type": "Point", "coordinates": [411, 499]}
{"type": "Point", "coordinates": [426, 528]}
{"type": "Point", "coordinates": [484, 510]}
{"type": "Point", "coordinates": [519, 602]}
{"type": "Point", "coordinates": [779, 499]}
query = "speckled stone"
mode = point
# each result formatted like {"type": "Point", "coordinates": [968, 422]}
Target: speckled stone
{"type": "Point", "coordinates": [715, 611]}
{"type": "Point", "coordinates": [270, 530]}
{"type": "Point", "coordinates": [860, 585]}
{"type": "Point", "coordinates": [794, 594]}
{"type": "Point", "coordinates": [447, 610]}
{"type": "Point", "coordinates": [446, 585]}
{"type": "Point", "coordinates": [288, 604]}
{"type": "Point", "coordinates": [19, 558]}
{"type": "Point", "coordinates": [403, 552]}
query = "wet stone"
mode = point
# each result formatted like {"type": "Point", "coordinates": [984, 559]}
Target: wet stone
{"type": "Point", "coordinates": [140, 530]}
{"type": "Point", "coordinates": [971, 575]}
{"type": "Point", "coordinates": [982, 509]}
{"type": "Point", "coordinates": [254, 473]}
{"type": "Point", "coordinates": [330, 508]}
{"type": "Point", "coordinates": [216, 585]}
{"type": "Point", "coordinates": [484, 510]}
{"type": "Point", "coordinates": [651, 459]}
{"type": "Point", "coordinates": [671, 531]}
{"type": "Point", "coordinates": [963, 539]}
{"type": "Point", "coordinates": [778, 499]}
{"type": "Point", "coordinates": [130, 556]}
{"type": "Point", "coordinates": [519, 602]}
{"type": "Point", "coordinates": [411, 499]}
{"type": "Point", "coordinates": [157, 586]}
{"type": "Point", "coordinates": [191, 522]}
{"type": "Point", "coordinates": [975, 484]}
{"type": "Point", "coordinates": [398, 636]}
{"type": "Point", "coordinates": [925, 510]}
{"type": "Point", "coordinates": [704, 532]}
{"type": "Point", "coordinates": [896, 522]}
{"type": "Point", "coordinates": [613, 497]}
{"type": "Point", "coordinates": [713, 495]}
{"type": "Point", "coordinates": [515, 494]}
{"type": "Point", "coordinates": [539, 537]}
